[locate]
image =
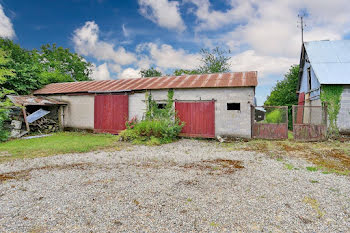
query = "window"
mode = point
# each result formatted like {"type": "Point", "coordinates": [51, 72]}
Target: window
{"type": "Point", "coordinates": [234, 106]}
{"type": "Point", "coordinates": [161, 106]}
{"type": "Point", "coordinates": [309, 78]}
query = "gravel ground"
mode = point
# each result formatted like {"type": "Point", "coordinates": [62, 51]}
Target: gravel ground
{"type": "Point", "coordinates": [187, 186]}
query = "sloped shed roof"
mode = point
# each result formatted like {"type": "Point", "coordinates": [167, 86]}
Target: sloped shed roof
{"type": "Point", "coordinates": [239, 79]}
{"type": "Point", "coordinates": [330, 60]}
{"type": "Point", "coordinates": [26, 100]}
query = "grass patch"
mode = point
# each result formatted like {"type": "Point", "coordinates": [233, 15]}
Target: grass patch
{"type": "Point", "coordinates": [59, 143]}
{"type": "Point", "coordinates": [289, 166]}
{"type": "Point", "coordinates": [312, 169]}
{"type": "Point", "coordinates": [330, 156]}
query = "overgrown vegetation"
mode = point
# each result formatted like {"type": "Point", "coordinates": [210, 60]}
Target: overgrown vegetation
{"type": "Point", "coordinates": [284, 93]}
{"type": "Point", "coordinates": [4, 104]}
{"type": "Point", "coordinates": [151, 72]}
{"type": "Point", "coordinates": [331, 95]}
{"type": "Point", "coordinates": [59, 143]}
{"type": "Point", "coordinates": [327, 157]}
{"type": "Point", "coordinates": [161, 125]}
{"type": "Point", "coordinates": [274, 116]}
{"type": "Point", "coordinates": [34, 68]}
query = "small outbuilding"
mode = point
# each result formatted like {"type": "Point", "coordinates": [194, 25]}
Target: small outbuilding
{"type": "Point", "coordinates": [210, 104]}
{"type": "Point", "coordinates": [324, 63]}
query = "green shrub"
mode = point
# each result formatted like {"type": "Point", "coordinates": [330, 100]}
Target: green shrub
{"type": "Point", "coordinates": [274, 117]}
{"type": "Point", "coordinates": [160, 126]}
{"type": "Point", "coordinates": [4, 133]}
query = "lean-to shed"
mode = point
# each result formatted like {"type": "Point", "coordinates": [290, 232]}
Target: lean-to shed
{"type": "Point", "coordinates": [210, 104]}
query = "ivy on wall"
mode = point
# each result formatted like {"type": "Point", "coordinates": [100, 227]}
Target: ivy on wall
{"type": "Point", "coordinates": [331, 95]}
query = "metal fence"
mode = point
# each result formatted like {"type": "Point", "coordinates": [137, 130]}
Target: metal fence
{"type": "Point", "coordinates": [309, 123]}
{"type": "Point", "coordinates": [270, 122]}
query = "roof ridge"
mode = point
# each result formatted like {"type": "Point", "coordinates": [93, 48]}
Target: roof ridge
{"type": "Point", "coordinates": [228, 79]}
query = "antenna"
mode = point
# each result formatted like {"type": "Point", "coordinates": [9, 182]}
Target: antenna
{"type": "Point", "coordinates": [301, 25]}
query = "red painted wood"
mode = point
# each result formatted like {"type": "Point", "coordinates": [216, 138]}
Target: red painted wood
{"type": "Point", "coordinates": [111, 113]}
{"type": "Point", "coordinates": [199, 118]}
{"type": "Point", "coordinates": [300, 111]}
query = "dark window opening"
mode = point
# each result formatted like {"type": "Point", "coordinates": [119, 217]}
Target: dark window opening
{"type": "Point", "coordinates": [309, 77]}
{"type": "Point", "coordinates": [161, 106]}
{"type": "Point", "coordinates": [234, 106]}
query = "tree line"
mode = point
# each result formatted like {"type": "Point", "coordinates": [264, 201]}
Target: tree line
{"type": "Point", "coordinates": [32, 69]}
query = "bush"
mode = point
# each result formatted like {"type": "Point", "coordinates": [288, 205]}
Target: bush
{"type": "Point", "coordinates": [4, 133]}
{"type": "Point", "coordinates": [155, 132]}
{"type": "Point", "coordinates": [274, 117]}
{"type": "Point", "coordinates": [160, 126]}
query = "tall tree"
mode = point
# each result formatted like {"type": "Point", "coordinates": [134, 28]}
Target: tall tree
{"type": "Point", "coordinates": [213, 61]}
{"type": "Point", "coordinates": [61, 65]}
{"type": "Point", "coordinates": [36, 68]}
{"type": "Point", "coordinates": [284, 92]}
{"type": "Point", "coordinates": [179, 72]}
{"type": "Point", "coordinates": [4, 73]}
{"type": "Point", "coordinates": [25, 66]}
{"type": "Point", "coordinates": [151, 72]}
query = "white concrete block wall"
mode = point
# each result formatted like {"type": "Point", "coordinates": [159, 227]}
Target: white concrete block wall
{"type": "Point", "coordinates": [79, 113]}
{"type": "Point", "coordinates": [344, 112]}
{"type": "Point", "coordinates": [137, 106]}
{"type": "Point", "coordinates": [227, 122]}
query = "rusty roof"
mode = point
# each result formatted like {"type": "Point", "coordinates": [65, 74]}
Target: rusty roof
{"type": "Point", "coordinates": [237, 79]}
{"type": "Point", "coordinates": [26, 100]}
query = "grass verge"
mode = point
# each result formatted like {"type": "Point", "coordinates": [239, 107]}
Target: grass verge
{"type": "Point", "coordinates": [59, 143]}
{"type": "Point", "coordinates": [329, 156]}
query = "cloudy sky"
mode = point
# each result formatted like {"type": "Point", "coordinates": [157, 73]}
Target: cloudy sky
{"type": "Point", "coordinates": [122, 37]}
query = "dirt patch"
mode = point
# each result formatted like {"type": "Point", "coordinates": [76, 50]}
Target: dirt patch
{"type": "Point", "coordinates": [25, 174]}
{"type": "Point", "coordinates": [216, 166]}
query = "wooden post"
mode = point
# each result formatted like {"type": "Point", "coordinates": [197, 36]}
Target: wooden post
{"type": "Point", "coordinates": [61, 118]}
{"type": "Point", "coordinates": [25, 118]}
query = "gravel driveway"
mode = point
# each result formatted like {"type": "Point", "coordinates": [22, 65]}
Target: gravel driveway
{"type": "Point", "coordinates": [187, 186]}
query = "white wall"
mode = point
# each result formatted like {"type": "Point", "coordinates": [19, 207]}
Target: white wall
{"type": "Point", "coordinates": [79, 113]}
{"type": "Point", "coordinates": [233, 123]}
{"type": "Point", "coordinates": [344, 112]}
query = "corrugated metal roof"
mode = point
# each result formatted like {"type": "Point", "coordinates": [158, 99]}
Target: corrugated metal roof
{"type": "Point", "coordinates": [34, 100]}
{"type": "Point", "coordinates": [330, 60]}
{"type": "Point", "coordinates": [238, 79]}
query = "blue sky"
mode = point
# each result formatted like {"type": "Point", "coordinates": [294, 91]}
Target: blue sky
{"type": "Point", "coordinates": [122, 37]}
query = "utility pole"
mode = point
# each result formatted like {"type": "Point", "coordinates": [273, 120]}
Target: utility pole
{"type": "Point", "coordinates": [302, 25]}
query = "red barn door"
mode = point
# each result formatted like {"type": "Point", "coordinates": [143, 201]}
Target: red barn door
{"type": "Point", "coordinates": [199, 118]}
{"type": "Point", "coordinates": [111, 113]}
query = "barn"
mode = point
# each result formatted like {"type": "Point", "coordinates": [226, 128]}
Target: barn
{"type": "Point", "coordinates": [210, 104]}
{"type": "Point", "coordinates": [326, 63]}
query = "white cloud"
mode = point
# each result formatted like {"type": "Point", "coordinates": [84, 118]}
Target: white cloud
{"type": "Point", "coordinates": [163, 12]}
{"type": "Point", "coordinates": [165, 56]}
{"type": "Point", "coordinates": [130, 73]}
{"type": "Point", "coordinates": [6, 27]}
{"type": "Point", "coordinates": [209, 19]}
{"type": "Point", "coordinates": [250, 61]}
{"type": "Point", "coordinates": [269, 27]}
{"type": "Point", "coordinates": [100, 72]}
{"type": "Point", "coordinates": [86, 42]}
{"type": "Point", "coordinates": [125, 31]}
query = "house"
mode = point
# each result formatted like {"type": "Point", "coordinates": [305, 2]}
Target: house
{"type": "Point", "coordinates": [325, 63]}
{"type": "Point", "coordinates": [210, 104]}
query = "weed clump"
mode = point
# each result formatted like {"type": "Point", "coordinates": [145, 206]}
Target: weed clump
{"type": "Point", "coordinates": [161, 125]}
